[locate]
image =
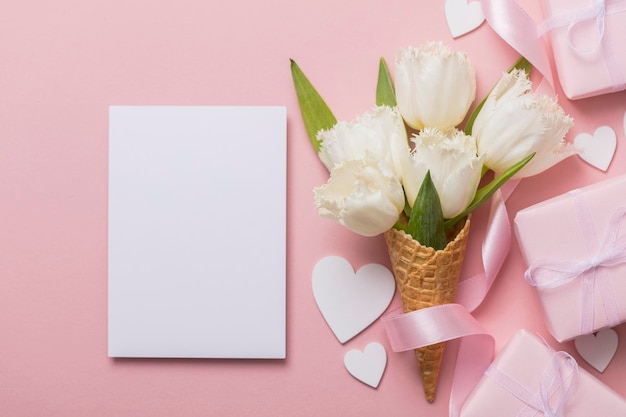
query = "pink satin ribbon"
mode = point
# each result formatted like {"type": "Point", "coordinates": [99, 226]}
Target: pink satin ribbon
{"type": "Point", "coordinates": [559, 377]}
{"type": "Point", "coordinates": [437, 324]}
{"type": "Point", "coordinates": [548, 273]}
{"type": "Point", "coordinates": [519, 30]}
{"type": "Point", "coordinates": [454, 321]}
{"type": "Point", "coordinates": [441, 324]}
{"type": "Point", "coordinates": [495, 248]}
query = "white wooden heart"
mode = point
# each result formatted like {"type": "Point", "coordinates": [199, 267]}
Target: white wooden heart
{"type": "Point", "coordinates": [367, 366]}
{"type": "Point", "coordinates": [463, 17]}
{"type": "Point", "coordinates": [597, 150]}
{"type": "Point", "coordinates": [598, 349]}
{"type": "Point", "coordinates": [350, 302]}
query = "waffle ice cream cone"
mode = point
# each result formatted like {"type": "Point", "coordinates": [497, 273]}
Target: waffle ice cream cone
{"type": "Point", "coordinates": [425, 278]}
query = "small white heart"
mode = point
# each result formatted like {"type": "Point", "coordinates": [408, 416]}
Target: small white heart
{"type": "Point", "coordinates": [367, 366]}
{"type": "Point", "coordinates": [597, 349]}
{"type": "Point", "coordinates": [350, 302]}
{"type": "Point", "coordinates": [463, 17]}
{"type": "Point", "coordinates": [597, 150]}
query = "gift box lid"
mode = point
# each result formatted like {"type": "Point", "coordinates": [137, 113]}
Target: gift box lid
{"type": "Point", "coordinates": [544, 230]}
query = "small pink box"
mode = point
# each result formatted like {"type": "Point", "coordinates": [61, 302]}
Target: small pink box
{"type": "Point", "coordinates": [522, 366]}
{"type": "Point", "coordinates": [587, 43]}
{"type": "Point", "coordinates": [571, 230]}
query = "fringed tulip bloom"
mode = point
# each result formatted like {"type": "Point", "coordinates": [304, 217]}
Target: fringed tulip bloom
{"type": "Point", "coordinates": [514, 123]}
{"type": "Point", "coordinates": [380, 132]}
{"type": "Point", "coordinates": [454, 168]}
{"type": "Point", "coordinates": [435, 86]}
{"type": "Point", "coordinates": [363, 195]}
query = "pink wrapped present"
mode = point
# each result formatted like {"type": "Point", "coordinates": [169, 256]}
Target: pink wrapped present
{"type": "Point", "coordinates": [587, 39]}
{"type": "Point", "coordinates": [528, 378]}
{"type": "Point", "coordinates": [576, 253]}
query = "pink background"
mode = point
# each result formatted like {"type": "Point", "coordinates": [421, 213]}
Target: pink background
{"type": "Point", "coordinates": [63, 63]}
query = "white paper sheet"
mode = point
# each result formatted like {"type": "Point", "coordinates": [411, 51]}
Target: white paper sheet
{"type": "Point", "coordinates": [197, 232]}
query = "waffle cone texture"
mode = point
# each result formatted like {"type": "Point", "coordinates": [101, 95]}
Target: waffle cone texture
{"type": "Point", "coordinates": [425, 278]}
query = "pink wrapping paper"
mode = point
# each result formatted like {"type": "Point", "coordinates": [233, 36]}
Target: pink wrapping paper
{"type": "Point", "coordinates": [525, 360]}
{"type": "Point", "coordinates": [587, 45]}
{"type": "Point", "coordinates": [553, 231]}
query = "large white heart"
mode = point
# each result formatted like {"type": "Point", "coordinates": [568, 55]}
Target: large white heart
{"type": "Point", "coordinates": [350, 302]}
{"type": "Point", "coordinates": [597, 349]}
{"type": "Point", "coordinates": [463, 17]}
{"type": "Point", "coordinates": [367, 366]}
{"type": "Point", "coordinates": [597, 150]}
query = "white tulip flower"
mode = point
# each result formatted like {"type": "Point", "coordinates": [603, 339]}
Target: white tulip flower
{"type": "Point", "coordinates": [454, 167]}
{"type": "Point", "coordinates": [363, 195]}
{"type": "Point", "coordinates": [380, 132]}
{"type": "Point", "coordinates": [435, 86]}
{"type": "Point", "coordinates": [514, 123]}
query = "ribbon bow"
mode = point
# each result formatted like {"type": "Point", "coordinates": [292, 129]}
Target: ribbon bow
{"type": "Point", "coordinates": [560, 376]}
{"type": "Point", "coordinates": [611, 252]}
{"type": "Point", "coordinates": [597, 10]}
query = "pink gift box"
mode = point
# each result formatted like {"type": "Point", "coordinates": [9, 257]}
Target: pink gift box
{"type": "Point", "coordinates": [587, 43]}
{"type": "Point", "coordinates": [563, 241]}
{"type": "Point", "coordinates": [512, 386]}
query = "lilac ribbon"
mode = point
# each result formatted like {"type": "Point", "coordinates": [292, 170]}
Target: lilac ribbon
{"type": "Point", "coordinates": [560, 376]}
{"type": "Point", "coordinates": [611, 252]}
{"type": "Point", "coordinates": [598, 10]}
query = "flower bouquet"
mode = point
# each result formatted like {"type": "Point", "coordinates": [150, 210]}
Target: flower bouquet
{"type": "Point", "coordinates": [406, 170]}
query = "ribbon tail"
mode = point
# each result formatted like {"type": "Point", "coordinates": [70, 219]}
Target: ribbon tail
{"type": "Point", "coordinates": [472, 291]}
{"type": "Point", "coordinates": [473, 358]}
{"type": "Point", "coordinates": [519, 30]}
{"type": "Point", "coordinates": [441, 324]}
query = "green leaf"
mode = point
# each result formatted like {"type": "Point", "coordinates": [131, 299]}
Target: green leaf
{"type": "Point", "coordinates": [426, 223]}
{"type": "Point", "coordinates": [524, 64]}
{"type": "Point", "coordinates": [470, 121]}
{"type": "Point", "coordinates": [521, 63]}
{"type": "Point", "coordinates": [487, 191]}
{"type": "Point", "coordinates": [315, 113]}
{"type": "Point", "coordinates": [400, 226]}
{"type": "Point", "coordinates": [385, 93]}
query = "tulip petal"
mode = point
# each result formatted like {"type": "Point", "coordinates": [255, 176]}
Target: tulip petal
{"type": "Point", "coordinates": [380, 132]}
{"type": "Point", "coordinates": [487, 191]}
{"type": "Point", "coordinates": [363, 195]}
{"type": "Point", "coordinates": [514, 123]}
{"type": "Point", "coordinates": [435, 86]}
{"type": "Point", "coordinates": [450, 157]}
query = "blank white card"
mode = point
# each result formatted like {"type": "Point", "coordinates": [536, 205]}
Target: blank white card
{"type": "Point", "coordinates": [197, 232]}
